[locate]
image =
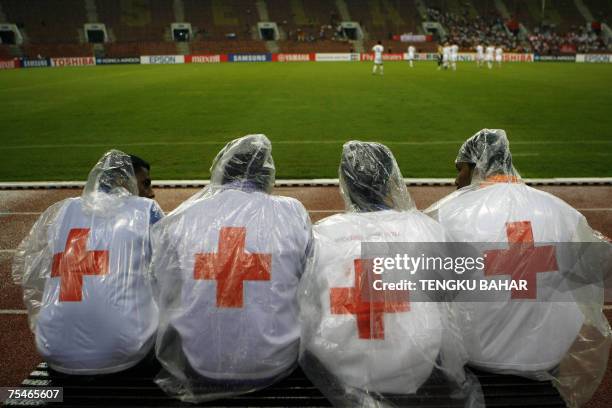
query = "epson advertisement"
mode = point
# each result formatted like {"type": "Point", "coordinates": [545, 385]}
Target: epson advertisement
{"type": "Point", "coordinates": [162, 59]}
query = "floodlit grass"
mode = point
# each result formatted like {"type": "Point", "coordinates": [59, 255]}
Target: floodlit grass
{"type": "Point", "coordinates": [57, 121]}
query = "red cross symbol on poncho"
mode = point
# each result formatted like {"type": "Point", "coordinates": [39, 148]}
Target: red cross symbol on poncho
{"type": "Point", "coordinates": [522, 260]}
{"type": "Point", "coordinates": [75, 262]}
{"type": "Point", "coordinates": [231, 266]}
{"type": "Point", "coordinates": [367, 304]}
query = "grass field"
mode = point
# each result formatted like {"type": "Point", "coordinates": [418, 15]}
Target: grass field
{"type": "Point", "coordinates": [56, 122]}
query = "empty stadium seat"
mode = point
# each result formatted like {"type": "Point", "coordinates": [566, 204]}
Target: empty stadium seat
{"type": "Point", "coordinates": [5, 52]}
{"type": "Point", "coordinates": [47, 21]}
{"type": "Point", "coordinates": [227, 46]}
{"type": "Point", "coordinates": [316, 46]}
{"type": "Point", "coordinates": [57, 50]}
{"type": "Point", "coordinates": [142, 20]}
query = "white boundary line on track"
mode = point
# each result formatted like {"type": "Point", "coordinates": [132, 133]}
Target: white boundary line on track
{"type": "Point", "coordinates": [24, 213]}
{"type": "Point", "coordinates": [305, 183]}
{"type": "Point", "coordinates": [25, 312]}
{"type": "Point", "coordinates": [13, 312]}
{"type": "Point", "coordinates": [7, 213]}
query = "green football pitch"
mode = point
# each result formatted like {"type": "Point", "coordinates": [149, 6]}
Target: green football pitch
{"type": "Point", "coordinates": [56, 122]}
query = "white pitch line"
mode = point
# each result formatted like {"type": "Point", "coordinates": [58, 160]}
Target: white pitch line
{"type": "Point", "coordinates": [13, 312]}
{"type": "Point", "coordinates": [430, 182]}
{"type": "Point", "coordinates": [294, 142]}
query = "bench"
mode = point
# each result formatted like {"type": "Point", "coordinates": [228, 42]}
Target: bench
{"type": "Point", "coordinates": [135, 388]}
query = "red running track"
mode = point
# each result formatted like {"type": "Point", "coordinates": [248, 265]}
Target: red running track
{"type": "Point", "coordinates": [19, 209]}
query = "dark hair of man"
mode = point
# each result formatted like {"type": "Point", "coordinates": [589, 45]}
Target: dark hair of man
{"type": "Point", "coordinates": [139, 163]}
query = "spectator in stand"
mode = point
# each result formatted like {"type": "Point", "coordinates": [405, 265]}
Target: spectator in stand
{"type": "Point", "coordinates": [513, 26]}
{"type": "Point", "coordinates": [333, 18]}
{"type": "Point", "coordinates": [468, 32]}
{"type": "Point", "coordinates": [339, 32]}
{"type": "Point", "coordinates": [596, 27]}
{"type": "Point", "coordinates": [545, 41]}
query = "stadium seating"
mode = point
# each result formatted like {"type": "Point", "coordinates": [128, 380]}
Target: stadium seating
{"type": "Point", "coordinates": [57, 50]}
{"type": "Point", "coordinates": [305, 15]}
{"type": "Point", "coordinates": [485, 8]}
{"type": "Point", "coordinates": [601, 10]}
{"type": "Point", "coordinates": [317, 46]}
{"type": "Point", "coordinates": [227, 46]}
{"type": "Point", "coordinates": [139, 27]}
{"type": "Point", "coordinates": [5, 52]}
{"type": "Point", "coordinates": [137, 20]}
{"type": "Point", "coordinates": [291, 12]}
{"type": "Point", "coordinates": [562, 14]}
{"type": "Point", "coordinates": [122, 49]}
{"type": "Point", "coordinates": [569, 16]}
{"type": "Point", "coordinates": [382, 18]}
{"type": "Point", "coordinates": [217, 19]}
{"type": "Point", "coordinates": [410, 15]}
{"type": "Point", "coordinates": [199, 14]}
{"type": "Point", "coordinates": [136, 48]}
{"type": "Point", "coordinates": [47, 21]}
{"type": "Point", "coordinates": [521, 11]}
{"type": "Point", "coordinates": [306, 21]}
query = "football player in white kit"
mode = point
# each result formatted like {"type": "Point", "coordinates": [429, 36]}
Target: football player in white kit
{"type": "Point", "coordinates": [411, 55]}
{"type": "Point", "coordinates": [378, 50]}
{"type": "Point", "coordinates": [227, 263]}
{"type": "Point", "coordinates": [84, 271]}
{"type": "Point", "coordinates": [506, 332]}
{"type": "Point", "coordinates": [489, 55]}
{"type": "Point", "coordinates": [369, 342]}
{"type": "Point", "coordinates": [479, 55]}
{"type": "Point", "coordinates": [446, 55]}
{"type": "Point", "coordinates": [499, 52]}
{"type": "Point", "coordinates": [454, 55]}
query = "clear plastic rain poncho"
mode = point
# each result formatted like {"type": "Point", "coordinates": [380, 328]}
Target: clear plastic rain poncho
{"type": "Point", "coordinates": [83, 268]}
{"type": "Point", "coordinates": [555, 330]}
{"type": "Point", "coordinates": [368, 348]}
{"type": "Point", "coordinates": [227, 263]}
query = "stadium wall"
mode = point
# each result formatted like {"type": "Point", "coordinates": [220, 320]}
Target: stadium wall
{"type": "Point", "coordinates": [280, 57]}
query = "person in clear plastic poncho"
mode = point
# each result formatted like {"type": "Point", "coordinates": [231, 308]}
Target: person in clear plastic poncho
{"type": "Point", "coordinates": [227, 264]}
{"type": "Point", "coordinates": [555, 330]}
{"type": "Point", "coordinates": [83, 269]}
{"type": "Point", "coordinates": [363, 348]}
